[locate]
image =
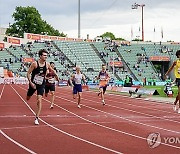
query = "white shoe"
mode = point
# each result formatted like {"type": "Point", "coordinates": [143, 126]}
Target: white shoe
{"type": "Point", "coordinates": [174, 108]}
{"type": "Point", "coordinates": [179, 110]}
{"type": "Point", "coordinates": [79, 106]}
{"type": "Point", "coordinates": [51, 107]}
{"type": "Point", "coordinates": [36, 122]}
{"type": "Point", "coordinates": [103, 102]}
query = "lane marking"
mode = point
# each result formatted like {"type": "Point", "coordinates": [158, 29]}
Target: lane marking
{"type": "Point", "coordinates": [15, 142]}
{"type": "Point", "coordinates": [133, 111]}
{"type": "Point", "coordinates": [2, 91]}
{"type": "Point", "coordinates": [68, 134]}
{"type": "Point", "coordinates": [119, 131]}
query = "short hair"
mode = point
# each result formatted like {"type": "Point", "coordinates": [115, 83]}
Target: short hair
{"type": "Point", "coordinates": [78, 67]}
{"type": "Point", "coordinates": [177, 53]}
{"type": "Point", "coordinates": [42, 51]}
{"type": "Point", "coordinates": [103, 65]}
{"type": "Point", "coordinates": [51, 62]}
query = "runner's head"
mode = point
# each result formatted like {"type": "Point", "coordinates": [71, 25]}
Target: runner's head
{"type": "Point", "coordinates": [103, 67]}
{"type": "Point", "coordinates": [178, 53]}
{"type": "Point", "coordinates": [52, 64]}
{"type": "Point", "coordinates": [78, 69]}
{"type": "Point", "coordinates": [43, 54]}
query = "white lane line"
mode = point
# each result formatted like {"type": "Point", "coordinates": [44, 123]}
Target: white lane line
{"type": "Point", "coordinates": [68, 134]}
{"type": "Point", "coordinates": [119, 131]}
{"type": "Point", "coordinates": [141, 113]}
{"type": "Point", "coordinates": [15, 142]}
{"type": "Point", "coordinates": [2, 91]}
{"type": "Point", "coordinates": [129, 103]}
{"type": "Point", "coordinates": [168, 130]}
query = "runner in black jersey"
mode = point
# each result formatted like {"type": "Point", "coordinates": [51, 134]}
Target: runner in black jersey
{"type": "Point", "coordinates": [36, 76]}
{"type": "Point", "coordinates": [50, 83]}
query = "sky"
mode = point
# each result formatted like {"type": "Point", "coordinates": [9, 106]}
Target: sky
{"type": "Point", "coordinates": [100, 16]}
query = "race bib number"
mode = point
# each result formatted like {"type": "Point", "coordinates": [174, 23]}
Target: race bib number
{"type": "Point", "coordinates": [38, 79]}
{"type": "Point", "coordinates": [178, 70]}
{"type": "Point", "coordinates": [51, 80]}
{"type": "Point", "coordinates": [102, 77]}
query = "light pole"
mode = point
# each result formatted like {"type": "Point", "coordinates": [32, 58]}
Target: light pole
{"type": "Point", "coordinates": [79, 24]}
{"type": "Point", "coordinates": [135, 6]}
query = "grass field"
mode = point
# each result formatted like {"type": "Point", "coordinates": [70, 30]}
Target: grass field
{"type": "Point", "coordinates": [160, 90]}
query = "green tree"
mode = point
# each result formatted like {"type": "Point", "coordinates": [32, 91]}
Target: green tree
{"type": "Point", "coordinates": [136, 39]}
{"type": "Point", "coordinates": [120, 39]}
{"type": "Point", "coordinates": [108, 35]}
{"type": "Point", "coordinates": [111, 36]}
{"type": "Point", "coordinates": [28, 19]}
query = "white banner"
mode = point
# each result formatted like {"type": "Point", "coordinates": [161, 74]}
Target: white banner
{"type": "Point", "coordinates": [1, 72]}
{"type": "Point", "coordinates": [14, 81]}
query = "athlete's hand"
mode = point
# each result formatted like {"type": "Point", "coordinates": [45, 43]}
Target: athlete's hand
{"type": "Point", "coordinates": [33, 85]}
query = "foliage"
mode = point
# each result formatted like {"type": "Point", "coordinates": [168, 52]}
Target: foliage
{"type": "Point", "coordinates": [28, 20]}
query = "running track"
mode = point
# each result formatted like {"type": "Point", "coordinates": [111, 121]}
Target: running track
{"type": "Point", "coordinates": [121, 126]}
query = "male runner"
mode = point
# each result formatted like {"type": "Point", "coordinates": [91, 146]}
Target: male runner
{"type": "Point", "coordinates": [36, 76]}
{"type": "Point", "coordinates": [76, 80]}
{"type": "Point", "coordinates": [176, 66]}
{"type": "Point", "coordinates": [104, 79]}
{"type": "Point", "coordinates": [50, 84]}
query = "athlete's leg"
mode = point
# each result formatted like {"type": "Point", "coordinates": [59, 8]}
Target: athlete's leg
{"type": "Point", "coordinates": [40, 91]}
{"type": "Point", "coordinates": [178, 99]}
{"type": "Point", "coordinates": [52, 98]}
{"type": "Point", "coordinates": [39, 105]}
{"type": "Point", "coordinates": [30, 92]}
{"type": "Point", "coordinates": [74, 92]}
{"type": "Point", "coordinates": [102, 95]}
{"type": "Point", "coordinates": [28, 97]}
{"type": "Point", "coordinates": [79, 97]}
{"type": "Point", "coordinates": [46, 90]}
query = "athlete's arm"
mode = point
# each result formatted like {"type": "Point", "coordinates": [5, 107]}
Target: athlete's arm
{"type": "Point", "coordinates": [84, 79]}
{"type": "Point", "coordinates": [170, 69]}
{"type": "Point", "coordinates": [71, 79]}
{"type": "Point", "coordinates": [108, 77]}
{"type": "Point", "coordinates": [46, 75]}
{"type": "Point", "coordinates": [52, 70]}
{"type": "Point", "coordinates": [31, 68]}
{"type": "Point", "coordinates": [98, 77]}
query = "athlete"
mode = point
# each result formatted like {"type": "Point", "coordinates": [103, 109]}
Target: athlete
{"type": "Point", "coordinates": [176, 66]}
{"type": "Point", "coordinates": [103, 78]}
{"type": "Point", "coordinates": [50, 84]}
{"type": "Point", "coordinates": [36, 76]}
{"type": "Point", "coordinates": [76, 82]}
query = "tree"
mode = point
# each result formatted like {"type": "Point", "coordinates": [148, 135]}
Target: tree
{"type": "Point", "coordinates": [136, 39]}
{"type": "Point", "coordinates": [108, 35]}
{"type": "Point", "coordinates": [120, 39]}
{"type": "Point", "coordinates": [111, 36]}
{"type": "Point", "coordinates": [28, 20]}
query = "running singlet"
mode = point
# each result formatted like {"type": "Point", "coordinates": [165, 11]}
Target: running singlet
{"type": "Point", "coordinates": [51, 78]}
{"type": "Point", "coordinates": [78, 78]}
{"type": "Point", "coordinates": [177, 69]}
{"type": "Point", "coordinates": [102, 77]}
{"type": "Point", "coordinates": [38, 74]}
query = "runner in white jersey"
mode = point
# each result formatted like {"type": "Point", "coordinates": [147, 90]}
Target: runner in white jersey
{"type": "Point", "coordinates": [76, 82]}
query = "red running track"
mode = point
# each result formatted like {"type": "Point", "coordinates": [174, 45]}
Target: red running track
{"type": "Point", "coordinates": [121, 126]}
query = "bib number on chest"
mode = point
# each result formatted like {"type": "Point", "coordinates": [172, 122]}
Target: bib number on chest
{"type": "Point", "coordinates": [51, 80]}
{"type": "Point", "coordinates": [38, 79]}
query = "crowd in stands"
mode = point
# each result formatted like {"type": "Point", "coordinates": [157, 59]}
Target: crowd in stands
{"type": "Point", "coordinates": [58, 56]}
{"type": "Point", "coordinates": [141, 59]}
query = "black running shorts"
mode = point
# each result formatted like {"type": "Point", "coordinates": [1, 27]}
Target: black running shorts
{"type": "Point", "coordinates": [49, 88]}
{"type": "Point", "coordinates": [39, 88]}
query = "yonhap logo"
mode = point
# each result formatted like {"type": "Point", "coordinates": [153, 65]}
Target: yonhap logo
{"type": "Point", "coordinates": [154, 140]}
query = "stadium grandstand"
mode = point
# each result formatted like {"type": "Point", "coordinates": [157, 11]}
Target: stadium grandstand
{"type": "Point", "coordinates": [137, 60]}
